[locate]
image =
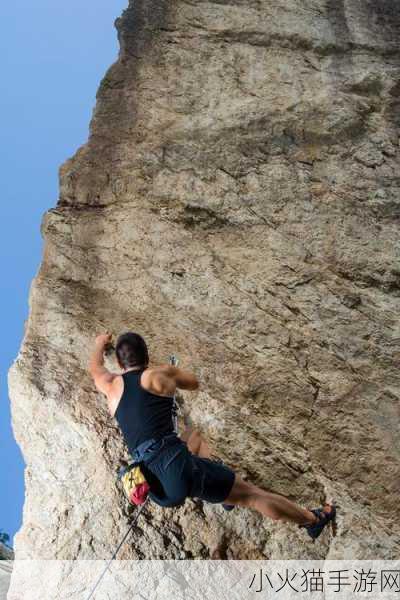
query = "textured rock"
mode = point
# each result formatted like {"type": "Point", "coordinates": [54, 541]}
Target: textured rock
{"type": "Point", "coordinates": [5, 577]}
{"type": "Point", "coordinates": [237, 203]}
{"type": "Point", "coordinates": [6, 558]}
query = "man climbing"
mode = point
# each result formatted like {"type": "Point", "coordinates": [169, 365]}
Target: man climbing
{"type": "Point", "coordinates": [141, 399]}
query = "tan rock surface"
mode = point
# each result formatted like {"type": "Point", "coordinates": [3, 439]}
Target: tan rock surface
{"type": "Point", "coordinates": [237, 203]}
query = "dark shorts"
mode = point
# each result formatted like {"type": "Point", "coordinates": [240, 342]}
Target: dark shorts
{"type": "Point", "coordinates": [174, 474]}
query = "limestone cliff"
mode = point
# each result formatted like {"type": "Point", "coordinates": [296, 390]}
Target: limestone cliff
{"type": "Point", "coordinates": [237, 203]}
{"type": "Point", "coordinates": [6, 558]}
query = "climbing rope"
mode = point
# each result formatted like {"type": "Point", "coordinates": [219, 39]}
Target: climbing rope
{"type": "Point", "coordinates": [173, 360]}
{"type": "Point", "coordinates": [117, 550]}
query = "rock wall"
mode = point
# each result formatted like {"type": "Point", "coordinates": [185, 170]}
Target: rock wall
{"type": "Point", "coordinates": [6, 558]}
{"type": "Point", "coordinates": [237, 203]}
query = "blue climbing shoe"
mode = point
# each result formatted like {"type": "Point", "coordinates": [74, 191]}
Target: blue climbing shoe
{"type": "Point", "coordinates": [314, 530]}
{"type": "Point", "coordinates": [228, 506]}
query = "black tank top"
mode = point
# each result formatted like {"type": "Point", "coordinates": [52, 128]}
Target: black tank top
{"type": "Point", "coordinates": [140, 414]}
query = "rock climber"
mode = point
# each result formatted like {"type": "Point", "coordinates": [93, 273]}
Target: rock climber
{"type": "Point", "coordinates": [141, 400]}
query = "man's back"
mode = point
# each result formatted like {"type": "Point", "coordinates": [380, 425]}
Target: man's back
{"type": "Point", "coordinates": [161, 380]}
{"type": "Point", "coordinates": [141, 414]}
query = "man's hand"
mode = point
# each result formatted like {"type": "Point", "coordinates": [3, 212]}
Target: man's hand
{"type": "Point", "coordinates": [103, 340]}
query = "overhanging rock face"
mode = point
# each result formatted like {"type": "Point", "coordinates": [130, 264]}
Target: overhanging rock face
{"type": "Point", "coordinates": [237, 203]}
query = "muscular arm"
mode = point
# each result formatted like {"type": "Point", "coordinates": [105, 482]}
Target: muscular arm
{"type": "Point", "coordinates": [185, 380]}
{"type": "Point", "coordinates": [164, 379]}
{"type": "Point", "coordinates": [102, 378]}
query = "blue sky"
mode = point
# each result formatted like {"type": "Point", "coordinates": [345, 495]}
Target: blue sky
{"type": "Point", "coordinates": [53, 55]}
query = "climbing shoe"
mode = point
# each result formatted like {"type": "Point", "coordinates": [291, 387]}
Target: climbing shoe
{"type": "Point", "coordinates": [314, 530]}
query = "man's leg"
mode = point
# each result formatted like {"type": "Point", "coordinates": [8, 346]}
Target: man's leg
{"type": "Point", "coordinates": [246, 494]}
{"type": "Point", "coordinates": [268, 504]}
{"type": "Point", "coordinates": [198, 446]}
{"type": "Point", "coordinates": [196, 443]}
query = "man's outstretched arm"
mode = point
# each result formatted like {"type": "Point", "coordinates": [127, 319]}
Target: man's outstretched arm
{"type": "Point", "coordinates": [185, 380]}
{"type": "Point", "coordinates": [102, 378]}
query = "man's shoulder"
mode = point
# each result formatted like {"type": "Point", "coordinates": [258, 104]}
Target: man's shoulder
{"type": "Point", "coordinates": [160, 372]}
{"type": "Point", "coordinates": [159, 379]}
{"type": "Point", "coordinates": [162, 368]}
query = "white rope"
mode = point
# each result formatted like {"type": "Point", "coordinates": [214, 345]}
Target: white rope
{"type": "Point", "coordinates": [174, 360]}
{"type": "Point", "coordinates": [117, 550]}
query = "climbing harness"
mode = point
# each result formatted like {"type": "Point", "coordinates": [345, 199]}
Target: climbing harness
{"type": "Point", "coordinates": [116, 551]}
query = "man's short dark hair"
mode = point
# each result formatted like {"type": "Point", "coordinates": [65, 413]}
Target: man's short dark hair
{"type": "Point", "coordinates": [131, 350]}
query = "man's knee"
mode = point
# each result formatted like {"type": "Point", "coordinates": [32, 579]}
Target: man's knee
{"type": "Point", "coordinates": [194, 441]}
{"type": "Point", "coordinates": [185, 435]}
